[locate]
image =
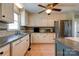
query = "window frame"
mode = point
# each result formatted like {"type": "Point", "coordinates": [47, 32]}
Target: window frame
{"type": "Point", "coordinates": [18, 23]}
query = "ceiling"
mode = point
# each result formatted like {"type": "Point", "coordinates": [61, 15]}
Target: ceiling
{"type": "Point", "coordinates": [66, 7]}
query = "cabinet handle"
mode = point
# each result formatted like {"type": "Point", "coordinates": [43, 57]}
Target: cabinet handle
{"type": "Point", "coordinates": [1, 53]}
{"type": "Point", "coordinates": [3, 16]}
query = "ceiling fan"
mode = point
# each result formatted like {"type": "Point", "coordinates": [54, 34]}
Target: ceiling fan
{"type": "Point", "coordinates": [49, 8]}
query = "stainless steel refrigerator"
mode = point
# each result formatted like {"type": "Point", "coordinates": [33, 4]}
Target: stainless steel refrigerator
{"type": "Point", "coordinates": [63, 28]}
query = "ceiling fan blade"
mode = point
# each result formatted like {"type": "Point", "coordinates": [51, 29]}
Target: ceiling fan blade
{"type": "Point", "coordinates": [41, 11]}
{"type": "Point", "coordinates": [56, 9]}
{"type": "Point", "coordinates": [41, 6]}
{"type": "Point", "coordinates": [54, 4]}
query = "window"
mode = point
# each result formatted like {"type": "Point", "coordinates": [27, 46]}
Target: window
{"type": "Point", "coordinates": [15, 25]}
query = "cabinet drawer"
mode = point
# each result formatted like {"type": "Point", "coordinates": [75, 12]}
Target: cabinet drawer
{"type": "Point", "coordinates": [5, 51]}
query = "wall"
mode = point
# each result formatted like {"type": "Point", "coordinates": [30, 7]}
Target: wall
{"type": "Point", "coordinates": [47, 20]}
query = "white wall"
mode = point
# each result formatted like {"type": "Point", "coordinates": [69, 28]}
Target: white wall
{"type": "Point", "coordinates": [47, 20]}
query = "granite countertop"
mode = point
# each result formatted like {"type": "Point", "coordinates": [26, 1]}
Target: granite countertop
{"type": "Point", "coordinates": [71, 42]}
{"type": "Point", "coordinates": [11, 38]}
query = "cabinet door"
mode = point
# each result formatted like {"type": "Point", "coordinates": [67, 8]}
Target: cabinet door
{"type": "Point", "coordinates": [17, 48]}
{"type": "Point", "coordinates": [59, 48]}
{"type": "Point", "coordinates": [5, 51]}
{"type": "Point", "coordinates": [38, 37]}
{"type": "Point", "coordinates": [7, 12]}
{"type": "Point", "coordinates": [67, 51]}
{"type": "Point", "coordinates": [20, 47]}
{"type": "Point", "coordinates": [26, 38]}
{"type": "Point", "coordinates": [42, 38]}
{"type": "Point", "coordinates": [51, 37]}
{"type": "Point", "coordinates": [70, 52]}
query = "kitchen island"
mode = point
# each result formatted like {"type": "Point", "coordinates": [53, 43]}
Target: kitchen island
{"type": "Point", "coordinates": [67, 46]}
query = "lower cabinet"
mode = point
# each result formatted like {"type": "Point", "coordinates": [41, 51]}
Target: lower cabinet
{"type": "Point", "coordinates": [5, 50]}
{"type": "Point", "coordinates": [20, 46]}
{"type": "Point", "coordinates": [62, 50]}
{"type": "Point", "coordinates": [59, 49]}
{"type": "Point", "coordinates": [70, 52]}
{"type": "Point", "coordinates": [42, 38]}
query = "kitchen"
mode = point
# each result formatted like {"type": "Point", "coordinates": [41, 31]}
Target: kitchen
{"type": "Point", "coordinates": [25, 32]}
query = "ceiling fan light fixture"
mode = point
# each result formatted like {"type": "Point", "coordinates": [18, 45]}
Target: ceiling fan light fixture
{"type": "Point", "coordinates": [48, 11]}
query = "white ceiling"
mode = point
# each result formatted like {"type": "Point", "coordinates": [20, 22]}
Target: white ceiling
{"type": "Point", "coordinates": [66, 7]}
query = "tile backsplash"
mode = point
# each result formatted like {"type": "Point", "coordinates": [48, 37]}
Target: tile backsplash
{"type": "Point", "coordinates": [4, 33]}
{"type": "Point", "coordinates": [3, 30]}
{"type": "Point", "coordinates": [3, 26]}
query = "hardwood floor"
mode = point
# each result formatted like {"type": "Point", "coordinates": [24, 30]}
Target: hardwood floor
{"type": "Point", "coordinates": [42, 50]}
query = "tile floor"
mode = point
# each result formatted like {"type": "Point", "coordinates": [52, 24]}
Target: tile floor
{"type": "Point", "coordinates": [42, 50]}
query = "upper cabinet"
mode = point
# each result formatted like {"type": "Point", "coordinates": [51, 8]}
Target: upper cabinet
{"type": "Point", "coordinates": [24, 17]}
{"type": "Point", "coordinates": [44, 20]}
{"type": "Point", "coordinates": [75, 16]}
{"type": "Point", "coordinates": [6, 12]}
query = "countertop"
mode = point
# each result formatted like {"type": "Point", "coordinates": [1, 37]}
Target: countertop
{"type": "Point", "coordinates": [10, 39]}
{"type": "Point", "coordinates": [71, 42]}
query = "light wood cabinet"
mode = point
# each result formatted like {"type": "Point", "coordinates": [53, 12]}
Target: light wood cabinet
{"type": "Point", "coordinates": [44, 20]}
{"type": "Point", "coordinates": [43, 38]}
{"type": "Point", "coordinates": [5, 50]}
{"type": "Point", "coordinates": [41, 20]}
{"type": "Point", "coordinates": [24, 17]}
{"type": "Point", "coordinates": [20, 46]}
{"type": "Point", "coordinates": [7, 12]}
